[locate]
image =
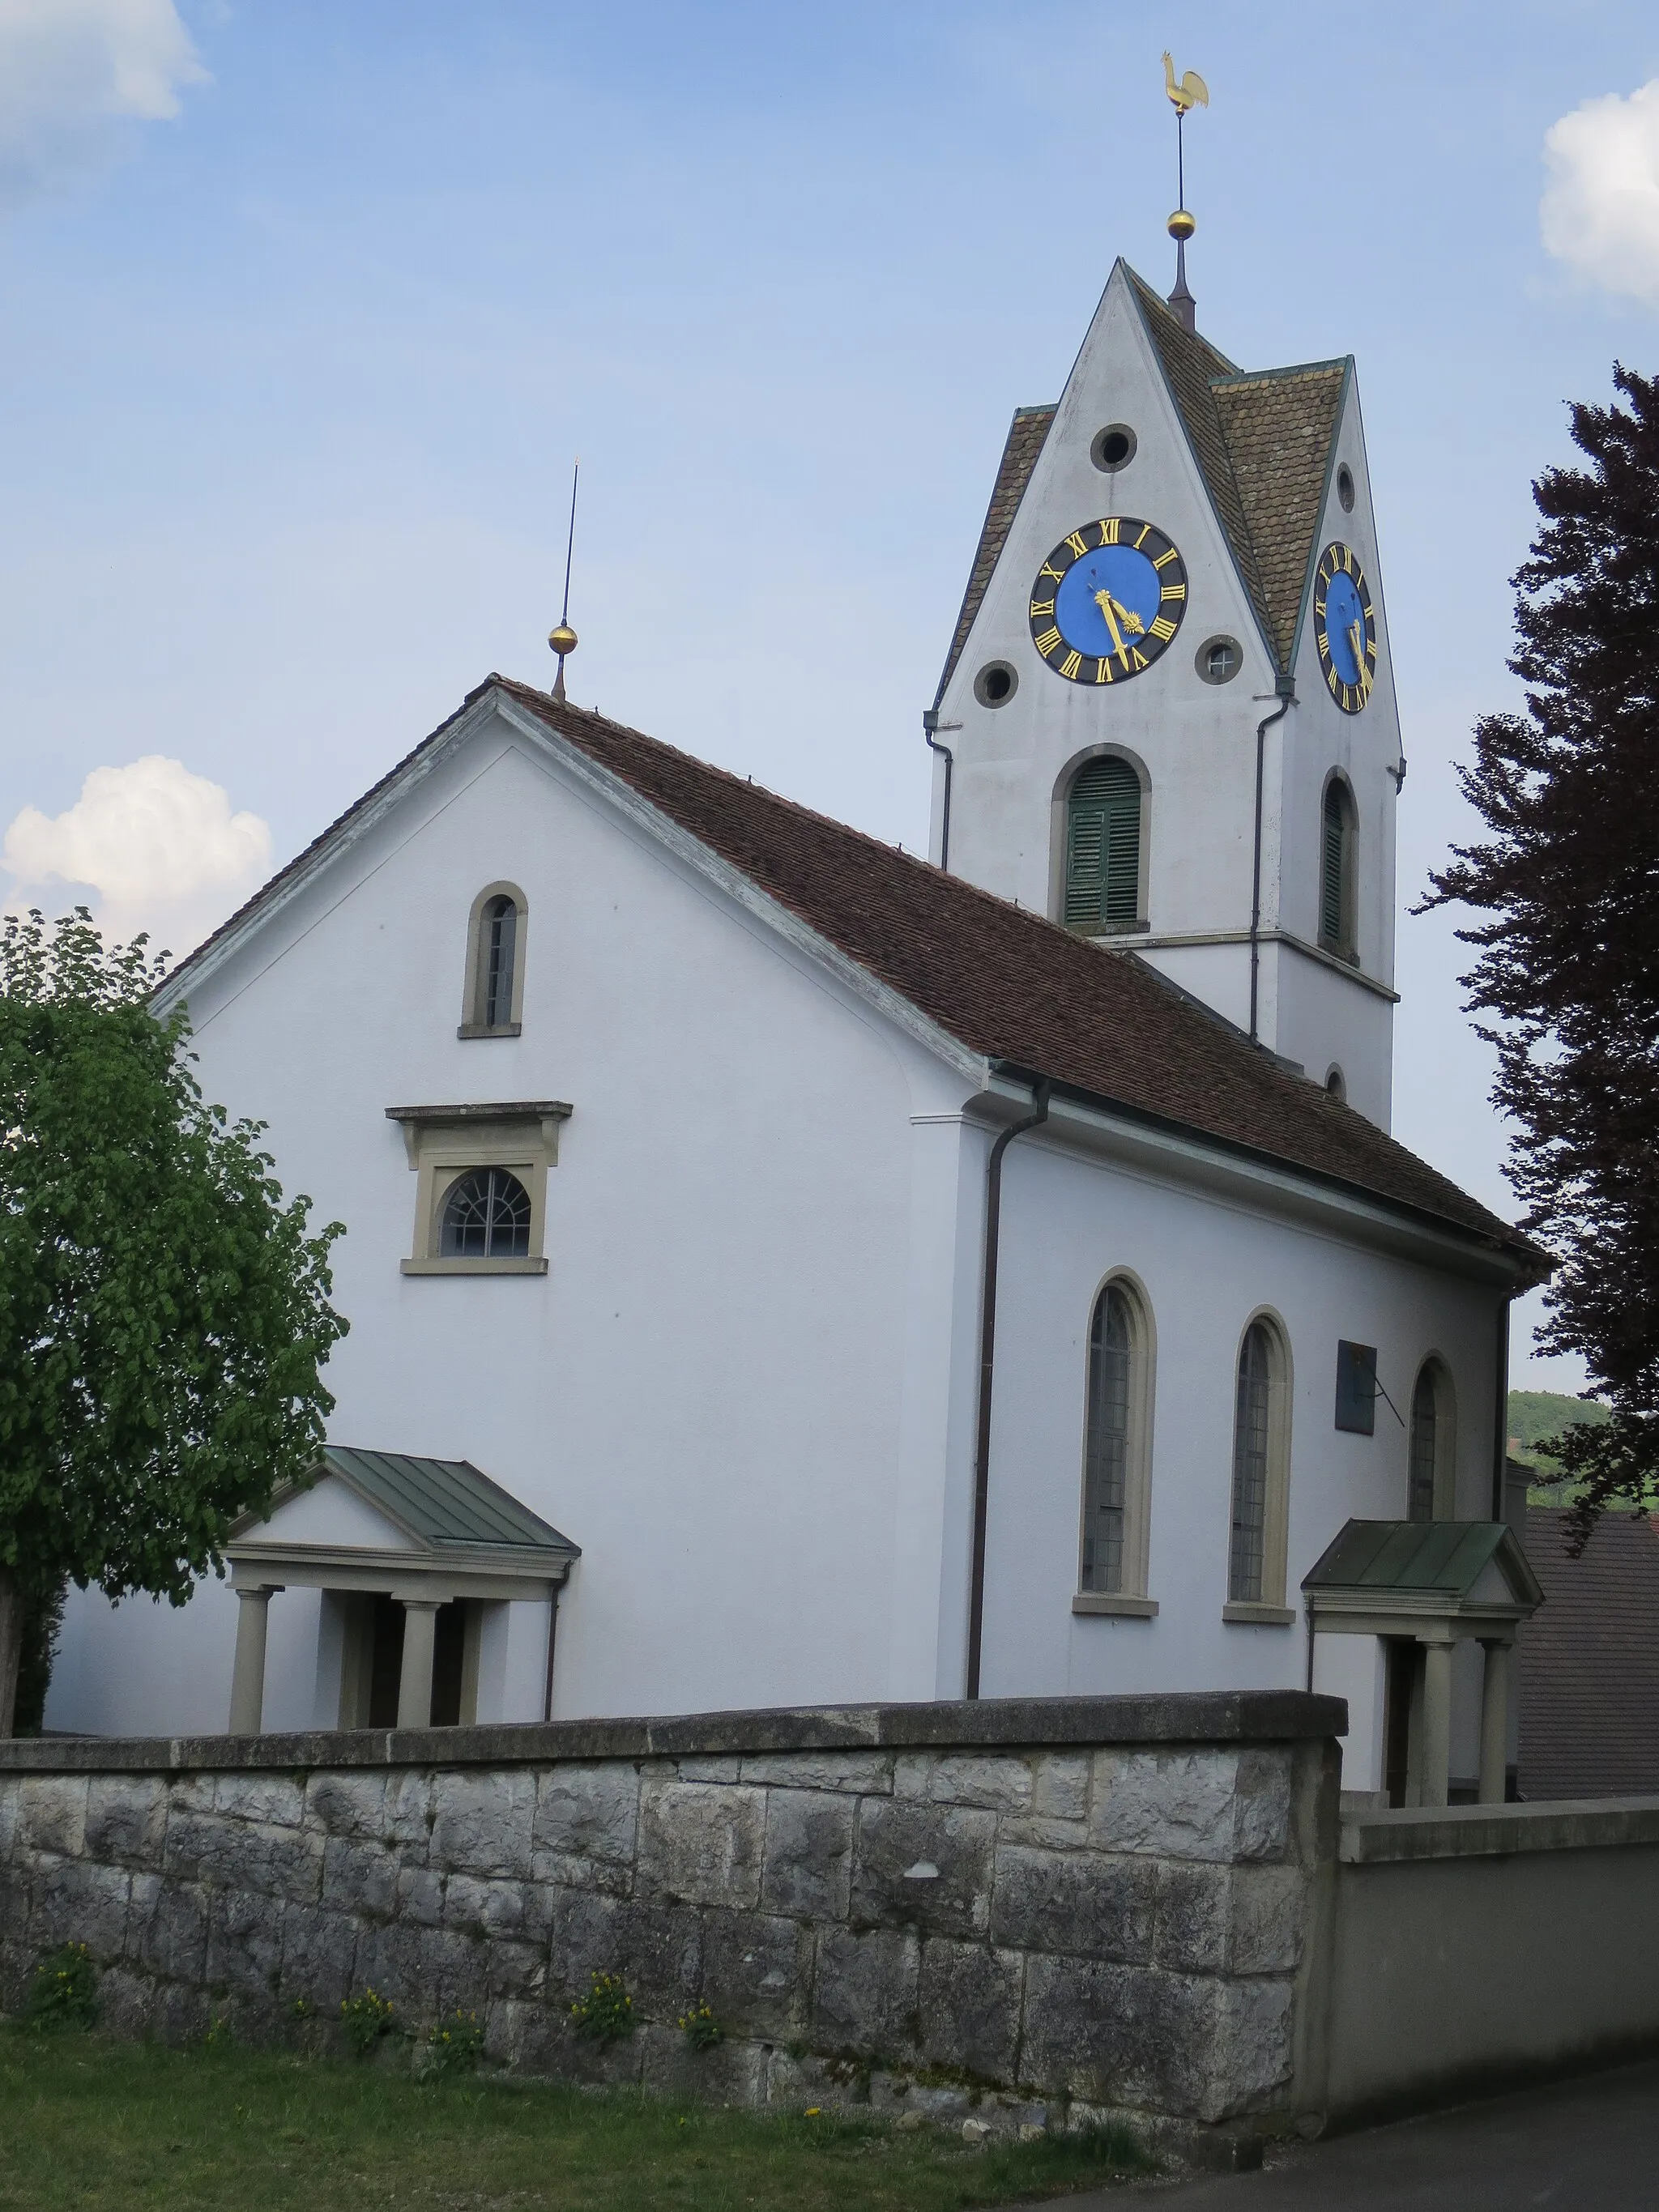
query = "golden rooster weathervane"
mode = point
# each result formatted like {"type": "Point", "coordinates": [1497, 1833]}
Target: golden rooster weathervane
{"type": "Point", "coordinates": [1191, 92]}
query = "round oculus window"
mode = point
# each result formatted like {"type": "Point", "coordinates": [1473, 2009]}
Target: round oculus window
{"type": "Point", "coordinates": [1113, 448]}
{"type": "Point", "coordinates": [1345, 488]}
{"type": "Point", "coordinates": [1219, 660]}
{"type": "Point", "coordinates": [995, 684]}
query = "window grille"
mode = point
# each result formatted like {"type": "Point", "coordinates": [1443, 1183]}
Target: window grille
{"type": "Point", "coordinates": [1252, 1447]}
{"type": "Point", "coordinates": [1102, 847]}
{"type": "Point", "coordinates": [1106, 1452]}
{"type": "Point", "coordinates": [486, 1217]}
{"type": "Point", "coordinates": [1425, 1448]}
{"type": "Point", "coordinates": [500, 920]}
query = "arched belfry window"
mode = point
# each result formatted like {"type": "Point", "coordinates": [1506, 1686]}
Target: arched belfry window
{"type": "Point", "coordinates": [1256, 1567]}
{"type": "Point", "coordinates": [1429, 1493]}
{"type": "Point", "coordinates": [1336, 871]}
{"type": "Point", "coordinates": [494, 1005]}
{"type": "Point", "coordinates": [1102, 849]}
{"type": "Point", "coordinates": [1116, 1449]}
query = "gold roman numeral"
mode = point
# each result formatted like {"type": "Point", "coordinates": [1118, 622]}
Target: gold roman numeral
{"type": "Point", "coordinates": [1138, 659]}
{"type": "Point", "coordinates": [1145, 533]}
{"type": "Point", "coordinates": [1104, 672]}
{"type": "Point", "coordinates": [1047, 569]}
{"type": "Point", "coordinates": [1173, 592]}
{"type": "Point", "coordinates": [1324, 646]}
{"type": "Point", "coordinates": [1162, 629]}
{"type": "Point", "coordinates": [1070, 665]}
{"type": "Point", "coordinates": [1043, 606]}
{"type": "Point", "coordinates": [1109, 531]}
{"type": "Point", "coordinates": [1075, 541]}
{"type": "Point", "coordinates": [1335, 682]}
{"type": "Point", "coordinates": [1164, 558]}
{"type": "Point", "coordinates": [1049, 639]}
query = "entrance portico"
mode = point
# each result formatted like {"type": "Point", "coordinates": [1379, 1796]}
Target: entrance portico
{"type": "Point", "coordinates": [1422, 1587]}
{"type": "Point", "coordinates": [412, 1556]}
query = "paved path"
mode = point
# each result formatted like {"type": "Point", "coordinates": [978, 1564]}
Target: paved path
{"type": "Point", "coordinates": [1586, 2145]}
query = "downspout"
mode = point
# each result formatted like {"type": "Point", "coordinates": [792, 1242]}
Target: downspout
{"type": "Point", "coordinates": [1284, 692]}
{"type": "Point", "coordinates": [931, 725]}
{"type": "Point", "coordinates": [1500, 1450]}
{"type": "Point", "coordinates": [988, 1336]}
{"type": "Point", "coordinates": [552, 1633]}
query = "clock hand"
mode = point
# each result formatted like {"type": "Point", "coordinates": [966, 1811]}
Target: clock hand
{"type": "Point", "coordinates": [1106, 603]}
{"type": "Point", "coordinates": [1130, 620]}
{"type": "Point", "coordinates": [1357, 646]}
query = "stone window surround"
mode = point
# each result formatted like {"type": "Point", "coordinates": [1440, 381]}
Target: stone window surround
{"type": "Point", "coordinates": [476, 985]}
{"type": "Point", "coordinates": [1439, 1369]}
{"type": "Point", "coordinates": [443, 1143]}
{"type": "Point", "coordinates": [1132, 1601]}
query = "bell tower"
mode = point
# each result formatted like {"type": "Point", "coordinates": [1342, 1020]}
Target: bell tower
{"type": "Point", "coordinates": [1167, 717]}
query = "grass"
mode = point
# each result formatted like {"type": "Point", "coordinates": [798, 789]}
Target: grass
{"type": "Point", "coordinates": [95, 2125]}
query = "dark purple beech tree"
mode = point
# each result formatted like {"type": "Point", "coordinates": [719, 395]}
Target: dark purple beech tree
{"type": "Point", "coordinates": [1567, 889]}
{"type": "Point", "coordinates": [164, 1313]}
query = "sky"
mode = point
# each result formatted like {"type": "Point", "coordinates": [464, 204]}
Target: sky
{"type": "Point", "coordinates": [308, 309]}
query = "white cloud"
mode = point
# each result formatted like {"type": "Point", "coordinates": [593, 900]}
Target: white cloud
{"type": "Point", "coordinates": [74, 74]}
{"type": "Point", "coordinates": [158, 846]}
{"type": "Point", "coordinates": [1599, 212]}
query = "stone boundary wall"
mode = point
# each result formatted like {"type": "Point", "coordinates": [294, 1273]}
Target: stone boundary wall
{"type": "Point", "coordinates": [1056, 1908]}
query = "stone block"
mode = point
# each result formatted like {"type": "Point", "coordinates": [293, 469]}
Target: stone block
{"type": "Point", "coordinates": [1193, 1918]}
{"type": "Point", "coordinates": [407, 1813]}
{"type": "Point", "coordinates": [1177, 2055]}
{"type": "Point", "coordinates": [420, 1896]}
{"type": "Point", "coordinates": [52, 1813]}
{"type": "Point", "coordinates": [277, 1800]}
{"type": "Point", "coordinates": [728, 1767]}
{"type": "Point", "coordinates": [657, 1949]}
{"type": "Point", "coordinates": [245, 1942]}
{"type": "Point", "coordinates": [1262, 1825]}
{"type": "Point", "coordinates": [483, 1821]}
{"type": "Point", "coordinates": [703, 1842]}
{"type": "Point", "coordinates": [346, 1804]}
{"type": "Point", "coordinates": [126, 2002]}
{"type": "Point", "coordinates": [77, 1902]}
{"type": "Point", "coordinates": [586, 1813]}
{"type": "Point", "coordinates": [1080, 1901]}
{"type": "Point", "coordinates": [169, 1932]}
{"type": "Point", "coordinates": [180, 2015]}
{"type": "Point", "coordinates": [1042, 1834]}
{"type": "Point", "coordinates": [284, 1862]}
{"type": "Point", "coordinates": [732, 2074]}
{"type": "Point", "coordinates": [126, 1819]}
{"type": "Point", "coordinates": [359, 1877]}
{"type": "Point", "coordinates": [757, 1972]}
{"type": "Point", "coordinates": [1269, 1913]}
{"type": "Point", "coordinates": [924, 1865]}
{"type": "Point", "coordinates": [513, 1970]}
{"type": "Point", "coordinates": [971, 2005]}
{"type": "Point", "coordinates": [1082, 2017]}
{"type": "Point", "coordinates": [807, 1868]}
{"type": "Point", "coordinates": [1254, 2060]}
{"type": "Point", "coordinates": [421, 1970]}
{"type": "Point", "coordinates": [8, 1797]}
{"type": "Point", "coordinates": [865, 1993]}
{"type": "Point", "coordinates": [320, 1958]}
{"type": "Point", "coordinates": [519, 1912]}
{"type": "Point", "coordinates": [858, 1774]}
{"type": "Point", "coordinates": [997, 1783]}
{"type": "Point", "coordinates": [192, 1791]}
{"type": "Point", "coordinates": [1168, 1804]}
{"type": "Point", "coordinates": [1060, 1786]}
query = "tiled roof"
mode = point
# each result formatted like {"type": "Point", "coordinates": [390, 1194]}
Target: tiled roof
{"type": "Point", "coordinates": [1004, 982]}
{"type": "Point", "coordinates": [1262, 443]}
{"type": "Point", "coordinates": [1025, 435]}
{"type": "Point", "coordinates": [1589, 1660]}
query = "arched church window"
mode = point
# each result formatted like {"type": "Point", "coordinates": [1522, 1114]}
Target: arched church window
{"type": "Point", "coordinates": [1102, 849]}
{"type": "Point", "coordinates": [486, 1217]}
{"type": "Point", "coordinates": [1255, 1571]}
{"type": "Point", "coordinates": [1116, 1470]}
{"type": "Point", "coordinates": [1336, 860]}
{"type": "Point", "coordinates": [494, 963]}
{"type": "Point", "coordinates": [1428, 1483]}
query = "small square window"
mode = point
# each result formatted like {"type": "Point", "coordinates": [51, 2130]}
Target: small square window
{"type": "Point", "coordinates": [1355, 1388]}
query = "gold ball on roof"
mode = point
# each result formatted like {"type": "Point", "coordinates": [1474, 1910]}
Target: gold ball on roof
{"type": "Point", "coordinates": [1181, 225]}
{"type": "Point", "coordinates": [562, 639]}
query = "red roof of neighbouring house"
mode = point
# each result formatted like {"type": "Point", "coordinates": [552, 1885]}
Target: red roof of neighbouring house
{"type": "Point", "coordinates": [1589, 1660]}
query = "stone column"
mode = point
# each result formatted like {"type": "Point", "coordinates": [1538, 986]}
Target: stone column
{"type": "Point", "coordinates": [1495, 1723]}
{"type": "Point", "coordinates": [247, 1681]}
{"type": "Point", "coordinates": [1437, 1720]}
{"type": "Point", "coordinates": [415, 1686]}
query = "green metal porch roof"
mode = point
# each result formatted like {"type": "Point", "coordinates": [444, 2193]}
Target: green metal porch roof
{"type": "Point", "coordinates": [443, 1501]}
{"type": "Point", "coordinates": [1444, 1558]}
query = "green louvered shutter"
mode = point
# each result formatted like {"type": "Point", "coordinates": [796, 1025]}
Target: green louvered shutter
{"type": "Point", "coordinates": [1333, 854]}
{"type": "Point", "coordinates": [1102, 847]}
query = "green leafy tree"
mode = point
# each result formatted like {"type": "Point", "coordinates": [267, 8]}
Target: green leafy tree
{"type": "Point", "coordinates": [1568, 888]}
{"type": "Point", "coordinates": [164, 1314]}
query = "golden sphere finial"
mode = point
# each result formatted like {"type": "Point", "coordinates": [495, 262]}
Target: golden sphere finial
{"type": "Point", "coordinates": [1182, 226]}
{"type": "Point", "coordinates": [562, 639]}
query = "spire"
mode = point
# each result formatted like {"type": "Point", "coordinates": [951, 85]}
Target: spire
{"type": "Point", "coordinates": [1191, 92]}
{"type": "Point", "coordinates": [562, 638]}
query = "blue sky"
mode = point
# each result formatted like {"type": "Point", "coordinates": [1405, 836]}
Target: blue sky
{"type": "Point", "coordinates": [292, 374]}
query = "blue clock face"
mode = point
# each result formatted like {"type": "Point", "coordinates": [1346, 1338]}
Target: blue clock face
{"type": "Point", "coordinates": [1108, 600]}
{"type": "Point", "coordinates": [1345, 629]}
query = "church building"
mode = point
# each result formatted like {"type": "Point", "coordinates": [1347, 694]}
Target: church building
{"type": "Point", "coordinates": [784, 1270]}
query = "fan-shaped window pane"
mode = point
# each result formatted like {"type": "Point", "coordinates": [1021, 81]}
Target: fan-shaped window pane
{"type": "Point", "coordinates": [487, 1217]}
{"type": "Point", "coordinates": [1425, 1447]}
{"type": "Point", "coordinates": [1251, 1445]}
{"type": "Point", "coordinates": [1102, 847]}
{"type": "Point", "coordinates": [499, 949]}
{"type": "Point", "coordinates": [1106, 1460]}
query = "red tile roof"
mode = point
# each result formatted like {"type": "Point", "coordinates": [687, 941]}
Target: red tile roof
{"type": "Point", "coordinates": [1589, 1660]}
{"type": "Point", "coordinates": [1003, 981]}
